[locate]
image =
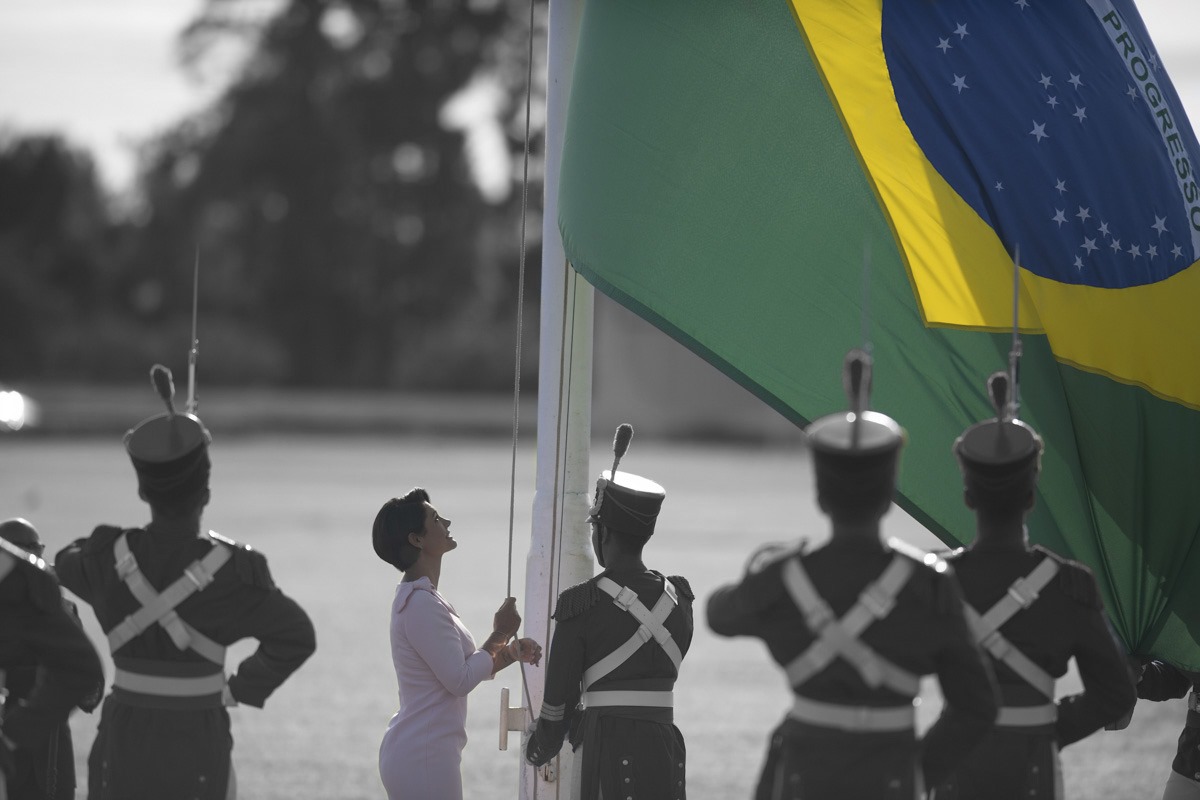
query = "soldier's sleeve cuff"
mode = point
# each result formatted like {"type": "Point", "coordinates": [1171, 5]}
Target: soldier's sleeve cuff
{"type": "Point", "coordinates": [552, 713]}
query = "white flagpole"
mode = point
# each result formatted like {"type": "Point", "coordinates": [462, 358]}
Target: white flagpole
{"type": "Point", "coordinates": [559, 551]}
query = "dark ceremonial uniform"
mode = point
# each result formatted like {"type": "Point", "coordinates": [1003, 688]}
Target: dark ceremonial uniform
{"type": "Point", "coordinates": [1056, 615]}
{"type": "Point", "coordinates": [1032, 611]}
{"type": "Point", "coordinates": [624, 718]}
{"type": "Point", "coordinates": [619, 641]}
{"type": "Point", "coordinates": [164, 731]}
{"type": "Point", "coordinates": [854, 625]}
{"type": "Point", "coordinates": [1162, 681]}
{"type": "Point", "coordinates": [48, 666]}
{"type": "Point", "coordinates": [170, 600]}
{"type": "Point", "coordinates": [47, 771]}
{"type": "Point", "coordinates": [851, 731]}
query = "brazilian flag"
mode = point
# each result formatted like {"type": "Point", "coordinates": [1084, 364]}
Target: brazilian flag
{"type": "Point", "coordinates": [730, 165]}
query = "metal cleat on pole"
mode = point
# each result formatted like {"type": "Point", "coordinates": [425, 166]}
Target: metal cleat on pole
{"type": "Point", "coordinates": [512, 718]}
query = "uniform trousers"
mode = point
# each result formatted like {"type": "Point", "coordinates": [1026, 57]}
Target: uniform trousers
{"type": "Point", "coordinates": [153, 754]}
{"type": "Point", "coordinates": [809, 763]}
{"type": "Point", "coordinates": [1008, 764]}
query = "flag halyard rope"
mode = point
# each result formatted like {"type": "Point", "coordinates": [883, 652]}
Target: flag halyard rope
{"type": "Point", "coordinates": [520, 335]}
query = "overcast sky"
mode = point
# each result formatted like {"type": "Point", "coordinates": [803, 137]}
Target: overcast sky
{"type": "Point", "coordinates": [105, 71]}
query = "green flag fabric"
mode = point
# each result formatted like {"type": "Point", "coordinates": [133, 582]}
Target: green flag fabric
{"type": "Point", "coordinates": [774, 183]}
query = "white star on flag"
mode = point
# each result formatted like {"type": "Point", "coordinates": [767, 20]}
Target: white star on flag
{"type": "Point", "coordinates": [1160, 224]}
{"type": "Point", "coordinates": [1089, 245]}
{"type": "Point", "coordinates": [1039, 130]}
{"type": "Point", "coordinates": [1045, 81]}
{"type": "Point", "coordinates": [1080, 113]}
{"type": "Point", "coordinates": [1075, 81]}
{"type": "Point", "coordinates": [943, 44]}
{"type": "Point", "coordinates": [961, 30]}
{"type": "Point", "coordinates": [1084, 214]}
{"type": "Point", "coordinates": [960, 83]}
{"type": "Point", "coordinates": [1059, 217]}
{"type": "Point", "coordinates": [1061, 186]}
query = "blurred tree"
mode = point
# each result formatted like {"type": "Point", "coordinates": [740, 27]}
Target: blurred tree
{"type": "Point", "coordinates": [55, 251]}
{"type": "Point", "coordinates": [354, 194]}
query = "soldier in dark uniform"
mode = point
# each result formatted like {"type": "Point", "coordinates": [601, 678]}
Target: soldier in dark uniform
{"type": "Point", "coordinates": [45, 772]}
{"type": "Point", "coordinates": [1162, 681]}
{"type": "Point", "coordinates": [1032, 611]}
{"type": "Point", "coordinates": [37, 631]}
{"type": "Point", "coordinates": [854, 625]}
{"type": "Point", "coordinates": [615, 656]}
{"type": "Point", "coordinates": [170, 598]}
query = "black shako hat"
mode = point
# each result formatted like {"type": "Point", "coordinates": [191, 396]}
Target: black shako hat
{"type": "Point", "coordinates": [626, 502]}
{"type": "Point", "coordinates": [20, 531]}
{"type": "Point", "coordinates": [855, 452]}
{"type": "Point", "coordinates": [169, 451]}
{"type": "Point", "coordinates": [1000, 454]}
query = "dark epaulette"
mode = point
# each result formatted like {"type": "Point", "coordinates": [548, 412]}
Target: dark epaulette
{"type": "Point", "coordinates": [43, 591]}
{"type": "Point", "coordinates": [577, 599]}
{"type": "Point", "coordinates": [101, 540]}
{"type": "Point", "coordinates": [682, 586]}
{"type": "Point", "coordinates": [1074, 579]}
{"type": "Point", "coordinates": [249, 564]}
{"type": "Point", "coordinates": [937, 571]}
{"type": "Point", "coordinates": [769, 554]}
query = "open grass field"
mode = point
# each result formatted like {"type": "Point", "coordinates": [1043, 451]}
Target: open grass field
{"type": "Point", "coordinates": [308, 503]}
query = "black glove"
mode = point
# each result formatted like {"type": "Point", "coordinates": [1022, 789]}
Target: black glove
{"type": "Point", "coordinates": [535, 754]}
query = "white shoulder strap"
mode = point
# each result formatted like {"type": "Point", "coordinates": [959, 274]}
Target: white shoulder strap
{"type": "Point", "coordinates": [651, 627]}
{"type": "Point", "coordinates": [839, 637]}
{"type": "Point", "coordinates": [1022, 593]}
{"type": "Point", "coordinates": [986, 627]}
{"type": "Point", "coordinates": [160, 607]}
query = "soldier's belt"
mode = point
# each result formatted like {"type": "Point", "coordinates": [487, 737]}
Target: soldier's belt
{"type": "Point", "coordinates": [1027, 716]}
{"type": "Point", "coordinates": [628, 697]}
{"type": "Point", "coordinates": [168, 685]}
{"type": "Point", "coordinates": [859, 719]}
{"type": "Point", "coordinates": [161, 686]}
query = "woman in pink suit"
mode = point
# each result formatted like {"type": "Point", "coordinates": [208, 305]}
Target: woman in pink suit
{"type": "Point", "coordinates": [436, 659]}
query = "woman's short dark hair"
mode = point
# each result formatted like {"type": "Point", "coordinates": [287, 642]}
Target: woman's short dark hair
{"type": "Point", "coordinates": [399, 517]}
